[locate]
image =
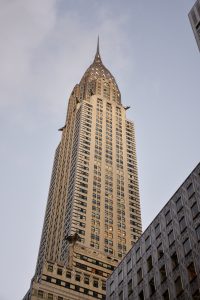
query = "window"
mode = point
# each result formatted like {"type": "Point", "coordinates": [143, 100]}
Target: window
{"type": "Point", "coordinates": [141, 295]}
{"type": "Point", "coordinates": [86, 279]}
{"type": "Point", "coordinates": [179, 204]}
{"type": "Point", "coordinates": [182, 224]}
{"type": "Point", "coordinates": [149, 263]}
{"type": "Point", "coordinates": [60, 298]}
{"type": "Point", "coordinates": [129, 266]}
{"type": "Point", "coordinates": [168, 217]}
{"type": "Point", "coordinates": [120, 276]}
{"type": "Point", "coordinates": [59, 271]}
{"type": "Point", "coordinates": [50, 297]}
{"type": "Point", "coordinates": [78, 277]}
{"type": "Point", "coordinates": [196, 295]}
{"type": "Point", "coordinates": [160, 250]}
{"type": "Point", "coordinates": [174, 260]}
{"type": "Point", "coordinates": [112, 286]}
{"type": "Point", "coordinates": [152, 288]}
{"type": "Point", "coordinates": [166, 295]}
{"type": "Point", "coordinates": [191, 271]}
{"type": "Point", "coordinates": [178, 286]}
{"type": "Point", "coordinates": [139, 275]}
{"type": "Point", "coordinates": [198, 232]}
{"type": "Point", "coordinates": [190, 190]}
{"type": "Point", "coordinates": [50, 268]}
{"type": "Point", "coordinates": [138, 254]}
{"type": "Point", "coordinates": [148, 242]}
{"type": "Point", "coordinates": [171, 237]}
{"type": "Point", "coordinates": [121, 295]}
{"type": "Point", "coordinates": [68, 274]}
{"type": "Point", "coordinates": [103, 285]}
{"type": "Point", "coordinates": [195, 210]}
{"type": "Point", "coordinates": [157, 229]}
{"type": "Point", "coordinates": [186, 246]}
{"type": "Point", "coordinates": [40, 294]}
{"type": "Point", "coordinates": [130, 290]}
{"type": "Point", "coordinates": [163, 274]}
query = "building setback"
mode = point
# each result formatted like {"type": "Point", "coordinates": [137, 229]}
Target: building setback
{"type": "Point", "coordinates": [194, 17]}
{"type": "Point", "coordinates": [165, 261]}
{"type": "Point", "coordinates": [93, 215]}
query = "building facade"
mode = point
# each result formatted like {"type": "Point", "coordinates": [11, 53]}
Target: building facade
{"type": "Point", "coordinates": [165, 261]}
{"type": "Point", "coordinates": [194, 17]}
{"type": "Point", "coordinates": [93, 210]}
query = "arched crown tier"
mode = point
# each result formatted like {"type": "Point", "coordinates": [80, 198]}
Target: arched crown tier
{"type": "Point", "coordinates": [98, 80]}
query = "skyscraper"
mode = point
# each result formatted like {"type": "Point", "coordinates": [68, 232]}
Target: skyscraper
{"type": "Point", "coordinates": [93, 210]}
{"type": "Point", "coordinates": [194, 17]}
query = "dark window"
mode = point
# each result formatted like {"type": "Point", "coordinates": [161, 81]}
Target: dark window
{"type": "Point", "coordinates": [78, 277]}
{"type": "Point", "coordinates": [141, 295]}
{"type": "Point", "coordinates": [96, 283]}
{"type": "Point", "coordinates": [163, 274]}
{"type": "Point", "coordinates": [166, 295]}
{"type": "Point", "coordinates": [121, 295]}
{"type": "Point", "coordinates": [130, 290]}
{"type": "Point", "coordinates": [59, 271]}
{"type": "Point", "coordinates": [50, 297]}
{"type": "Point", "coordinates": [86, 280]}
{"type": "Point", "coordinates": [171, 237]}
{"type": "Point", "coordinates": [60, 298]}
{"type": "Point", "coordinates": [50, 268]}
{"type": "Point", "coordinates": [191, 271]}
{"type": "Point", "coordinates": [148, 242]}
{"type": "Point", "coordinates": [129, 265]}
{"type": "Point", "coordinates": [149, 263]}
{"type": "Point", "coordinates": [186, 246]}
{"type": "Point", "coordinates": [190, 190]}
{"type": "Point", "coordinates": [160, 250]}
{"type": "Point", "coordinates": [103, 285]}
{"type": "Point", "coordinates": [139, 275]}
{"type": "Point", "coordinates": [178, 286]}
{"type": "Point", "coordinates": [168, 217]}
{"type": "Point", "coordinates": [68, 274]}
{"type": "Point", "coordinates": [40, 294]}
{"type": "Point", "coordinates": [152, 288]}
{"type": "Point", "coordinates": [120, 276]}
{"type": "Point", "coordinates": [196, 295]}
{"type": "Point", "coordinates": [198, 232]}
{"type": "Point", "coordinates": [138, 254]}
{"type": "Point", "coordinates": [174, 259]}
{"type": "Point", "coordinates": [182, 224]}
{"type": "Point", "coordinates": [179, 204]}
{"type": "Point", "coordinates": [195, 210]}
{"type": "Point", "coordinates": [157, 229]}
{"type": "Point", "coordinates": [86, 291]}
{"type": "Point", "coordinates": [112, 286]}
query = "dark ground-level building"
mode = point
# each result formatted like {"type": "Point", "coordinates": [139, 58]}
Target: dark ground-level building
{"type": "Point", "coordinates": [165, 261]}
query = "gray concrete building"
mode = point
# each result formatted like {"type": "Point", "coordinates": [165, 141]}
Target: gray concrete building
{"type": "Point", "coordinates": [165, 261]}
{"type": "Point", "coordinates": [194, 17]}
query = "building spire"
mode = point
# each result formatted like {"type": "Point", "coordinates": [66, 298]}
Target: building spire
{"type": "Point", "coordinates": [97, 58]}
{"type": "Point", "coordinates": [98, 44]}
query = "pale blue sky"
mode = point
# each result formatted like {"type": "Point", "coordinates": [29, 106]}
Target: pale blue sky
{"type": "Point", "coordinates": [45, 48]}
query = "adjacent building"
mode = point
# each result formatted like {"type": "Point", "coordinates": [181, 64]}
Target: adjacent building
{"type": "Point", "coordinates": [93, 215]}
{"type": "Point", "coordinates": [165, 261]}
{"type": "Point", "coordinates": [194, 17]}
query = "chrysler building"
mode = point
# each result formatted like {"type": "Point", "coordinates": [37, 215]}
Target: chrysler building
{"type": "Point", "coordinates": [93, 214]}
